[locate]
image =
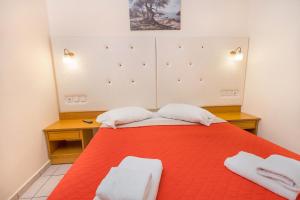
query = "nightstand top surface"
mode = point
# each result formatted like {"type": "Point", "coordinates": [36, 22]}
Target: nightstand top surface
{"type": "Point", "coordinates": [236, 116]}
{"type": "Point", "coordinates": [71, 124]}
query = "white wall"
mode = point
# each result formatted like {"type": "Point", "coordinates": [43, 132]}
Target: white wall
{"type": "Point", "coordinates": [273, 74]}
{"type": "Point", "coordinates": [28, 101]}
{"type": "Point", "coordinates": [27, 98]}
{"type": "Point", "coordinates": [111, 17]}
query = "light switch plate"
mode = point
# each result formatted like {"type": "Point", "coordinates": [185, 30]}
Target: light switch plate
{"type": "Point", "coordinates": [83, 99]}
{"type": "Point", "coordinates": [75, 99]}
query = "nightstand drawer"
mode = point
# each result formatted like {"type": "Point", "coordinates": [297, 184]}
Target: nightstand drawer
{"type": "Point", "coordinates": [63, 135]}
{"type": "Point", "coordinates": [245, 124]}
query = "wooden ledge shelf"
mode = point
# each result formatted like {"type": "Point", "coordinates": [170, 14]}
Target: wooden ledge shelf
{"type": "Point", "coordinates": [243, 120]}
{"type": "Point", "coordinates": [236, 116]}
{"type": "Point", "coordinates": [72, 124]}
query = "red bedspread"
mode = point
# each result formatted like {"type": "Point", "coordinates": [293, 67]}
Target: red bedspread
{"type": "Point", "coordinates": [192, 158]}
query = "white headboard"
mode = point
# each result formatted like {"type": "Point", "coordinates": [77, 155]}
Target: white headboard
{"type": "Point", "coordinates": [147, 71]}
{"type": "Point", "coordinates": [198, 71]}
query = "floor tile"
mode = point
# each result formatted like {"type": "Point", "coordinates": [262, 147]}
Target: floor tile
{"type": "Point", "coordinates": [49, 186]}
{"type": "Point", "coordinates": [35, 187]}
{"type": "Point", "coordinates": [39, 198]}
{"type": "Point", "coordinates": [62, 169]}
{"type": "Point", "coordinates": [51, 170]}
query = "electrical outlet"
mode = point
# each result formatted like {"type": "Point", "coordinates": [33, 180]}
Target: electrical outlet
{"type": "Point", "coordinates": [68, 99]}
{"type": "Point", "coordinates": [236, 92]}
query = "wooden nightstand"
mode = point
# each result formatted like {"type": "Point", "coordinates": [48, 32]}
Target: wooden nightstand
{"type": "Point", "coordinates": [233, 115]}
{"type": "Point", "coordinates": [66, 139]}
{"type": "Point", "coordinates": [242, 120]}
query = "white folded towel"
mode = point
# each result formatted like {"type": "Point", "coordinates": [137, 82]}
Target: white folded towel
{"type": "Point", "coordinates": [153, 166]}
{"type": "Point", "coordinates": [122, 183]}
{"type": "Point", "coordinates": [282, 169]}
{"type": "Point", "coordinates": [245, 165]}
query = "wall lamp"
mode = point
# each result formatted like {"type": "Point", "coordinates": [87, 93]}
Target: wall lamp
{"type": "Point", "coordinates": [68, 56]}
{"type": "Point", "coordinates": [237, 54]}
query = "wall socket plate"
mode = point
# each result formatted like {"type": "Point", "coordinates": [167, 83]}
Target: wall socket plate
{"type": "Point", "coordinates": [75, 99]}
{"type": "Point", "coordinates": [230, 92]}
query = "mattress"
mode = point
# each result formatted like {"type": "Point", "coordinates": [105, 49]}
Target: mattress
{"type": "Point", "coordinates": [192, 157]}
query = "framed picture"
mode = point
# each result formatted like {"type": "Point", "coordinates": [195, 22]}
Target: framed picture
{"type": "Point", "coordinates": [154, 14]}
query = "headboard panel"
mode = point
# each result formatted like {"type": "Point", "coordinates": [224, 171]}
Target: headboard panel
{"type": "Point", "coordinates": [198, 71]}
{"type": "Point", "coordinates": [110, 72]}
{"type": "Point", "coordinates": [149, 72]}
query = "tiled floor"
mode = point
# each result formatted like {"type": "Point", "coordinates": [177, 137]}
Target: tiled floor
{"type": "Point", "coordinates": [45, 184]}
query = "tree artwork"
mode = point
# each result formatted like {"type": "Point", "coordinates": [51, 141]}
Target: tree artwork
{"type": "Point", "coordinates": [154, 14]}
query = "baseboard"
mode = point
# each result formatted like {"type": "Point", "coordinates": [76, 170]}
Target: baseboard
{"type": "Point", "coordinates": [29, 182]}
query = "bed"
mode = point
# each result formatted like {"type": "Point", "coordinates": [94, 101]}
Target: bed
{"type": "Point", "coordinates": [192, 157]}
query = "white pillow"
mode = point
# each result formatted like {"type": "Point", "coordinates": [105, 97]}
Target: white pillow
{"type": "Point", "coordinates": [123, 115]}
{"type": "Point", "coordinates": [188, 113]}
